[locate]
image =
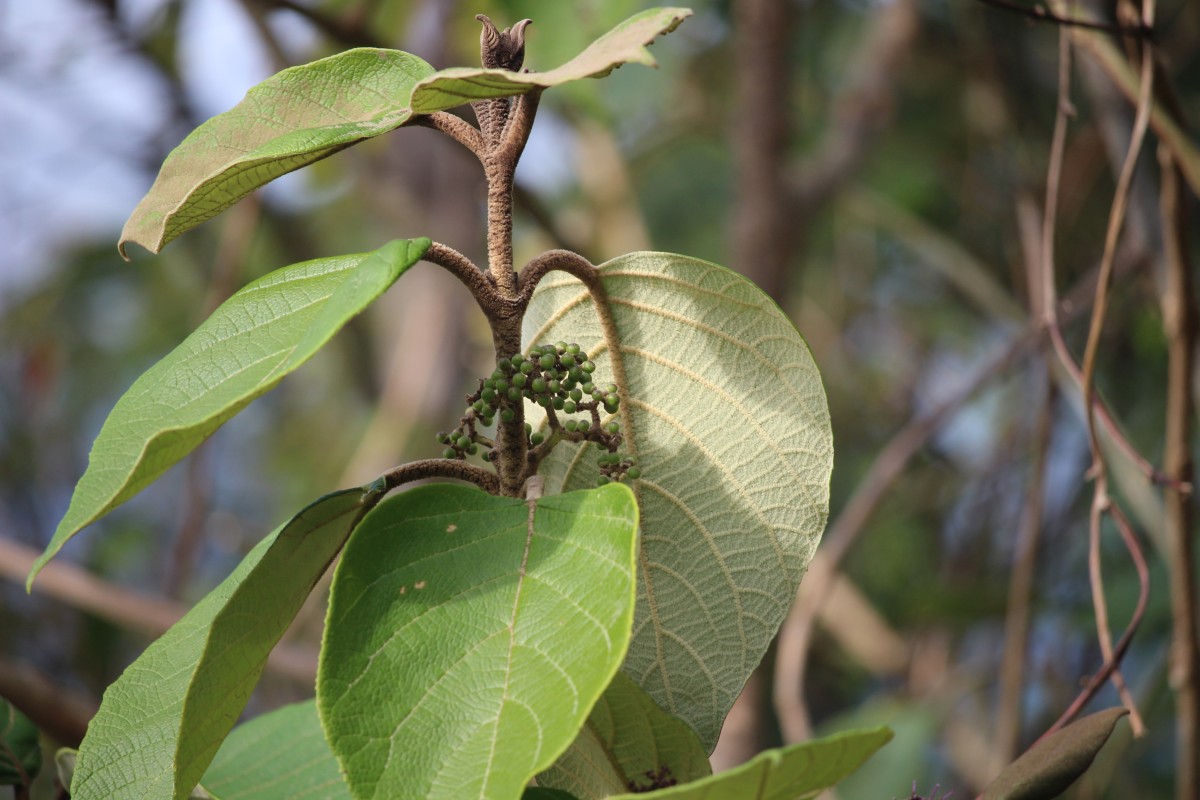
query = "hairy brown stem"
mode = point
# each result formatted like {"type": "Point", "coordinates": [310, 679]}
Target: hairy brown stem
{"type": "Point", "coordinates": [442, 468]}
{"type": "Point", "coordinates": [468, 273]}
{"type": "Point", "coordinates": [456, 128]}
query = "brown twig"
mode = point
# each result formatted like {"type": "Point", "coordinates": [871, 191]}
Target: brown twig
{"type": "Point", "coordinates": [1118, 653]}
{"type": "Point", "coordinates": [442, 468]}
{"type": "Point", "coordinates": [891, 462]}
{"type": "Point", "coordinates": [1042, 14]}
{"type": "Point", "coordinates": [796, 632]}
{"type": "Point", "coordinates": [566, 261]}
{"type": "Point", "coordinates": [456, 128]}
{"type": "Point", "coordinates": [1180, 328]}
{"type": "Point", "coordinates": [1101, 501]}
{"type": "Point", "coordinates": [470, 275]}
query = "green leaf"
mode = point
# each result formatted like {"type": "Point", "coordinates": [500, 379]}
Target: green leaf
{"type": "Point", "coordinates": [628, 742]}
{"type": "Point", "coordinates": [1053, 764]}
{"type": "Point", "coordinates": [624, 44]}
{"type": "Point", "coordinates": [162, 721]}
{"type": "Point", "coordinates": [469, 636]}
{"type": "Point", "coordinates": [64, 765]}
{"type": "Point", "coordinates": [277, 755]}
{"type": "Point", "coordinates": [790, 773]}
{"type": "Point", "coordinates": [262, 333]}
{"type": "Point", "coordinates": [20, 750]}
{"type": "Point", "coordinates": [724, 408]}
{"type": "Point", "coordinates": [288, 121]}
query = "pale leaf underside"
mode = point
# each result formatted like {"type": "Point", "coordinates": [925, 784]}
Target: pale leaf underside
{"type": "Point", "coordinates": [725, 410]}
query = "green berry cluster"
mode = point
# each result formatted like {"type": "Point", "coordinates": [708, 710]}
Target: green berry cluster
{"type": "Point", "coordinates": [557, 377]}
{"type": "Point", "coordinates": [617, 467]}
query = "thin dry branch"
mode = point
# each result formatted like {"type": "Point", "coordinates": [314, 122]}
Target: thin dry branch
{"type": "Point", "coordinates": [1110, 664]}
{"type": "Point", "coordinates": [796, 632]}
{"type": "Point", "coordinates": [1102, 503]}
{"type": "Point", "coordinates": [1180, 326]}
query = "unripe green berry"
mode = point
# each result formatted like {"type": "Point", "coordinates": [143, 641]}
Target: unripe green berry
{"type": "Point", "coordinates": [567, 361]}
{"type": "Point", "coordinates": [589, 388]}
{"type": "Point", "coordinates": [527, 367]}
{"type": "Point", "coordinates": [560, 346]}
{"type": "Point", "coordinates": [588, 366]}
{"type": "Point", "coordinates": [520, 379]}
{"type": "Point", "coordinates": [611, 408]}
{"type": "Point", "coordinates": [576, 374]}
{"type": "Point", "coordinates": [507, 414]}
{"type": "Point", "coordinates": [479, 406]}
{"type": "Point", "coordinates": [611, 399]}
{"type": "Point", "coordinates": [558, 403]}
{"type": "Point", "coordinates": [449, 452]}
{"type": "Point", "coordinates": [504, 365]}
{"type": "Point", "coordinates": [634, 473]}
{"type": "Point", "coordinates": [488, 395]}
{"type": "Point", "coordinates": [547, 361]}
{"type": "Point", "coordinates": [602, 481]}
{"type": "Point", "coordinates": [568, 406]}
{"type": "Point", "coordinates": [536, 438]}
{"type": "Point", "coordinates": [613, 427]}
{"type": "Point", "coordinates": [554, 385]}
{"type": "Point", "coordinates": [487, 421]}
{"type": "Point", "coordinates": [463, 442]}
{"type": "Point", "coordinates": [443, 437]}
{"type": "Point", "coordinates": [514, 395]}
{"type": "Point", "coordinates": [528, 428]}
{"type": "Point", "coordinates": [486, 456]}
{"type": "Point", "coordinates": [576, 395]}
{"type": "Point", "coordinates": [573, 349]}
{"type": "Point", "coordinates": [473, 449]}
{"type": "Point", "coordinates": [501, 385]}
{"type": "Point", "coordinates": [569, 426]}
{"type": "Point", "coordinates": [538, 385]}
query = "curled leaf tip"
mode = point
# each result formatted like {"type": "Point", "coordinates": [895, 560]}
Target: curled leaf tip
{"type": "Point", "coordinates": [502, 49]}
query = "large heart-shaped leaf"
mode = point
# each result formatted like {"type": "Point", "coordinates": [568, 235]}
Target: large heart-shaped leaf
{"type": "Point", "coordinates": [280, 754]}
{"type": "Point", "coordinates": [469, 636]}
{"type": "Point", "coordinates": [20, 750]}
{"type": "Point", "coordinates": [262, 333]}
{"type": "Point", "coordinates": [628, 742]}
{"type": "Point", "coordinates": [624, 44]}
{"type": "Point", "coordinates": [724, 408]}
{"type": "Point", "coordinates": [288, 121]}
{"type": "Point", "coordinates": [790, 773]}
{"type": "Point", "coordinates": [161, 722]}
